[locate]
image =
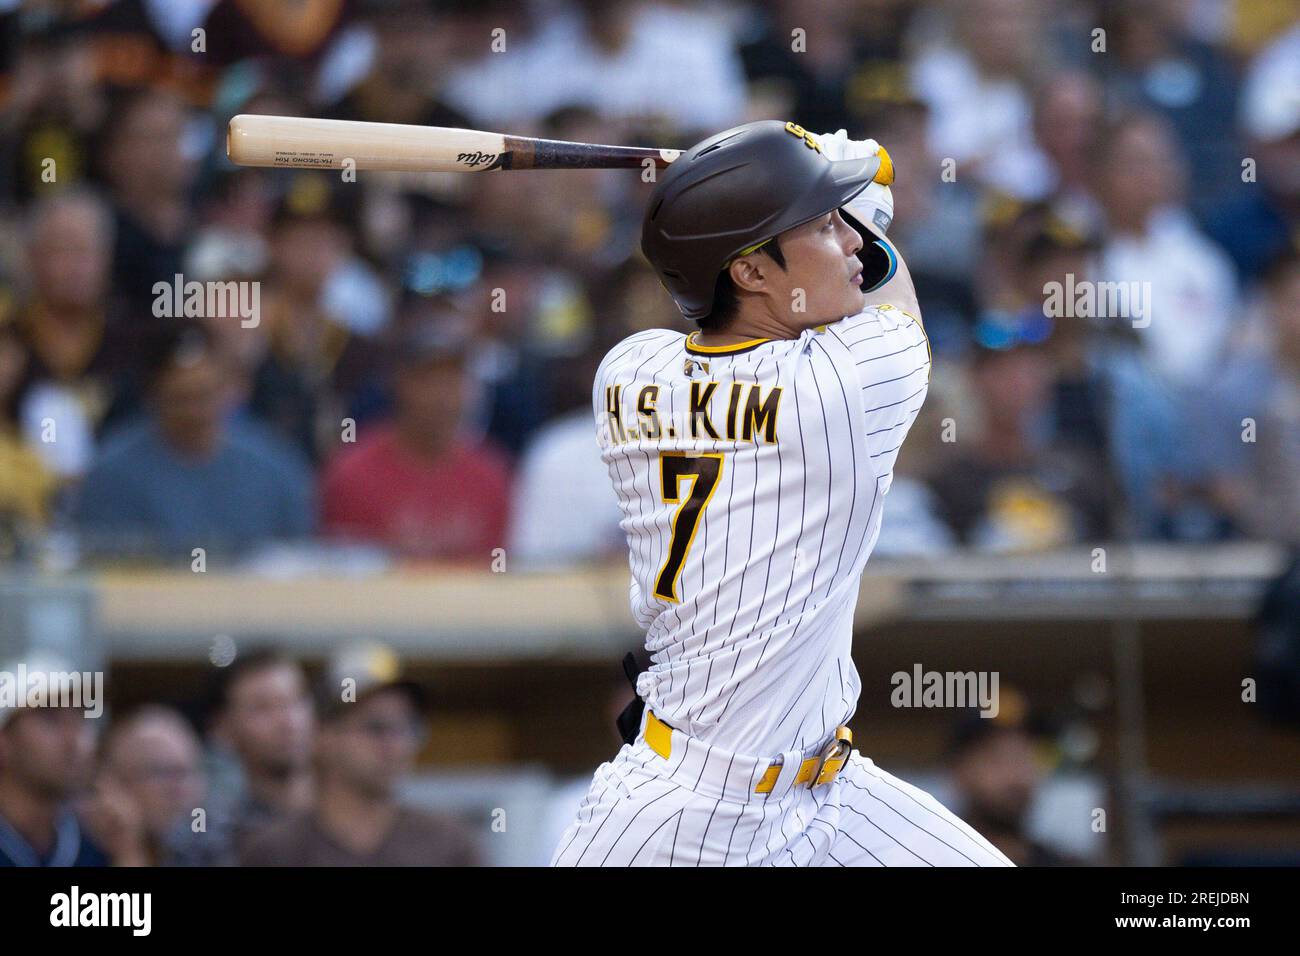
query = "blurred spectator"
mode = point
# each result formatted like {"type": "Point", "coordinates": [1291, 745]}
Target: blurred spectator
{"type": "Point", "coordinates": [82, 347]}
{"type": "Point", "coordinates": [149, 166]}
{"type": "Point", "coordinates": [1259, 424]}
{"type": "Point", "coordinates": [46, 761]}
{"type": "Point", "coordinates": [1153, 62]}
{"type": "Point", "coordinates": [1013, 482]}
{"type": "Point", "coordinates": [411, 48]}
{"type": "Point", "coordinates": [630, 58]}
{"type": "Point", "coordinates": [315, 365]}
{"type": "Point", "coordinates": [997, 772]}
{"type": "Point", "coordinates": [1153, 239]}
{"type": "Point", "coordinates": [977, 88]}
{"type": "Point", "coordinates": [975, 101]}
{"type": "Point", "coordinates": [151, 759]}
{"type": "Point", "coordinates": [187, 476]}
{"type": "Point", "coordinates": [371, 728]}
{"type": "Point", "coordinates": [415, 485]}
{"type": "Point", "coordinates": [287, 31]}
{"type": "Point", "coordinates": [1174, 482]}
{"type": "Point", "coordinates": [1068, 116]}
{"type": "Point", "coordinates": [562, 474]}
{"type": "Point", "coordinates": [826, 64]}
{"type": "Point", "coordinates": [264, 718]}
{"type": "Point", "coordinates": [26, 485]}
{"type": "Point", "coordinates": [937, 221]}
{"type": "Point", "coordinates": [1256, 222]}
{"type": "Point", "coordinates": [52, 107]}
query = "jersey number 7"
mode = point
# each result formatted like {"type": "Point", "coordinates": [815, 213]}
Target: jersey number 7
{"type": "Point", "coordinates": [703, 470]}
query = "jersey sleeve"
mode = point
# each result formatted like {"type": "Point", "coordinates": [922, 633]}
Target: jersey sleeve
{"type": "Point", "coordinates": [891, 353]}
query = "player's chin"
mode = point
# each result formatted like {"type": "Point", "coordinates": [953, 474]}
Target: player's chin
{"type": "Point", "coordinates": [854, 300]}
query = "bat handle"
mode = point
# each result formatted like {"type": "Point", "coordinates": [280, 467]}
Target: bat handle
{"type": "Point", "coordinates": [527, 153]}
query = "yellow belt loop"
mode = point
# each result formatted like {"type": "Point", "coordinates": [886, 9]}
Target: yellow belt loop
{"type": "Point", "coordinates": [658, 735]}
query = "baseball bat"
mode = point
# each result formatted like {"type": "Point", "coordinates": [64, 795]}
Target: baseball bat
{"type": "Point", "coordinates": [302, 143]}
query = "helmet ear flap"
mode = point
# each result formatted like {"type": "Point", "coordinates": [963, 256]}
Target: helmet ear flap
{"type": "Point", "coordinates": [879, 263]}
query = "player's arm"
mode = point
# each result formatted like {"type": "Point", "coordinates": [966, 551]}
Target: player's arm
{"type": "Point", "coordinates": [886, 279]}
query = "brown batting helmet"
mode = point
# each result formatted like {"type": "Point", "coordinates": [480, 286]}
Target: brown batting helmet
{"type": "Point", "coordinates": [732, 192]}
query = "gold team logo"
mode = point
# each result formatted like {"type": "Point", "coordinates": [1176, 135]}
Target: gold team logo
{"type": "Point", "coordinates": [794, 129]}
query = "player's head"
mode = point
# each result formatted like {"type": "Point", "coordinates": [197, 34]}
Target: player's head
{"type": "Point", "coordinates": [751, 217]}
{"type": "Point", "coordinates": [371, 721]}
{"type": "Point", "coordinates": [264, 714]}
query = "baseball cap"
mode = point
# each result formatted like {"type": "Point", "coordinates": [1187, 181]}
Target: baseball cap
{"type": "Point", "coordinates": [34, 664]}
{"type": "Point", "coordinates": [359, 671]}
{"type": "Point", "coordinates": [1014, 716]}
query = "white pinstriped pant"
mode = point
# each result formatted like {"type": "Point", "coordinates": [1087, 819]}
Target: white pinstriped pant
{"type": "Point", "coordinates": [698, 808]}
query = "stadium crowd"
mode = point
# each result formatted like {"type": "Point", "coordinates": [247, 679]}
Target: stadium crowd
{"type": "Point", "coordinates": [409, 368]}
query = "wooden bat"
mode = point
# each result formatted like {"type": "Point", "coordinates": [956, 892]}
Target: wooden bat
{"type": "Point", "coordinates": [301, 143]}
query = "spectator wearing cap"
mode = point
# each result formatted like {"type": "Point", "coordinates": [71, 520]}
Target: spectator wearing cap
{"type": "Point", "coordinates": [415, 485]}
{"type": "Point", "coordinates": [264, 718]}
{"type": "Point", "coordinates": [46, 761]}
{"type": "Point", "coordinates": [314, 364]}
{"type": "Point", "coordinates": [371, 728]}
{"type": "Point", "coordinates": [996, 772]}
{"type": "Point", "coordinates": [187, 475]}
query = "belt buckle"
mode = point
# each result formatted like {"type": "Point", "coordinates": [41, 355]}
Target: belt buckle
{"type": "Point", "coordinates": [833, 757]}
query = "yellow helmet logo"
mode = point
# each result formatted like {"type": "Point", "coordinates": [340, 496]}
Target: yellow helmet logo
{"type": "Point", "coordinates": [794, 129]}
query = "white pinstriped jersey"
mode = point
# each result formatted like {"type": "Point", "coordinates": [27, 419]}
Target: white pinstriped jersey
{"type": "Point", "coordinates": [751, 480]}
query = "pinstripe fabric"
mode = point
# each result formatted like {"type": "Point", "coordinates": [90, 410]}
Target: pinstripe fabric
{"type": "Point", "coordinates": [644, 811]}
{"type": "Point", "coordinates": [754, 655]}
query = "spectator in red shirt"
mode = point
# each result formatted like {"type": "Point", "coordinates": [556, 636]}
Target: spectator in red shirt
{"type": "Point", "coordinates": [416, 485]}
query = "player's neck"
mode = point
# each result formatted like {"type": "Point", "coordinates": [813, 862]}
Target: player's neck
{"type": "Point", "coordinates": [749, 325]}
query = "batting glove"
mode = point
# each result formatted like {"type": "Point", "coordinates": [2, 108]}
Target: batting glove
{"type": "Point", "coordinates": [873, 206]}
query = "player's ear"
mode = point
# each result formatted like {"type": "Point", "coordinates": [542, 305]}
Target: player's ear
{"type": "Point", "coordinates": [749, 273]}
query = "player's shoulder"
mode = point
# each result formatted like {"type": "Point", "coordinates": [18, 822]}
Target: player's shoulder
{"type": "Point", "coordinates": [636, 348]}
{"type": "Point", "coordinates": [877, 329]}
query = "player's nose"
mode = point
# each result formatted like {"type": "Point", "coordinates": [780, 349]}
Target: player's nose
{"type": "Point", "coordinates": [852, 238]}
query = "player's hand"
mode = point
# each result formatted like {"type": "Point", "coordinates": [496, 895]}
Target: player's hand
{"type": "Point", "coordinates": [874, 206]}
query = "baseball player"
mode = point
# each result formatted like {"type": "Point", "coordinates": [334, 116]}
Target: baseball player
{"type": "Point", "coordinates": [751, 459]}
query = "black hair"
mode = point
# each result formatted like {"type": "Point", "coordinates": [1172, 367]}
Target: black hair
{"type": "Point", "coordinates": [167, 344]}
{"type": "Point", "coordinates": [244, 665]}
{"type": "Point", "coordinates": [726, 299]}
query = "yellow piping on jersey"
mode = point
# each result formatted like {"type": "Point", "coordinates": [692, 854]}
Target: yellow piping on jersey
{"type": "Point", "coordinates": [721, 349]}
